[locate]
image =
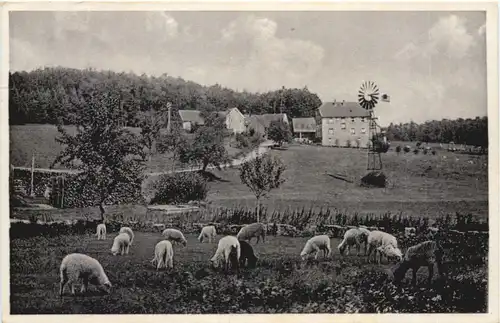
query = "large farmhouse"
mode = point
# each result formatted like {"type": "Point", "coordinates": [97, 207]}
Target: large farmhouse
{"type": "Point", "coordinates": [343, 124]}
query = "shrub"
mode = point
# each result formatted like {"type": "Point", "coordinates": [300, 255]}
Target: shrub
{"type": "Point", "coordinates": [180, 188]}
{"type": "Point", "coordinates": [398, 149]}
{"type": "Point", "coordinates": [415, 151]}
{"type": "Point", "coordinates": [406, 149]}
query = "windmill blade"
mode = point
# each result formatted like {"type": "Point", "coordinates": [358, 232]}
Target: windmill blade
{"type": "Point", "coordinates": [375, 100]}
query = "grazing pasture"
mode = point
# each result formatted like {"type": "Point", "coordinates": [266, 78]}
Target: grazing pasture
{"type": "Point", "coordinates": [418, 184]}
{"type": "Point", "coordinates": [280, 283]}
{"type": "Point", "coordinates": [40, 140]}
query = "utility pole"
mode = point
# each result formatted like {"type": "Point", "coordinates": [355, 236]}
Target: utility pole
{"type": "Point", "coordinates": [32, 190]}
{"type": "Point", "coordinates": [169, 107]}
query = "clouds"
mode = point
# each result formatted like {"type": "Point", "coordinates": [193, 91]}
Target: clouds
{"type": "Point", "coordinates": [265, 60]}
{"type": "Point", "coordinates": [424, 60]}
{"type": "Point", "coordinates": [445, 69]}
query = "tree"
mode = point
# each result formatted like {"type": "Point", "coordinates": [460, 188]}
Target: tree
{"type": "Point", "coordinates": [279, 131]}
{"type": "Point", "coordinates": [207, 147]}
{"type": "Point", "coordinates": [109, 154]}
{"type": "Point", "coordinates": [174, 142]}
{"type": "Point", "coordinates": [261, 175]}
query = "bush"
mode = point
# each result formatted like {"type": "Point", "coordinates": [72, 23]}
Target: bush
{"type": "Point", "coordinates": [398, 149]}
{"type": "Point", "coordinates": [180, 188]}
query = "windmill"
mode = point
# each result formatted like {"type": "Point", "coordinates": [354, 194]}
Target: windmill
{"type": "Point", "coordinates": [368, 97]}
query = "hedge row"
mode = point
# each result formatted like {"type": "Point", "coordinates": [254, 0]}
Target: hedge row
{"type": "Point", "coordinates": [74, 194]}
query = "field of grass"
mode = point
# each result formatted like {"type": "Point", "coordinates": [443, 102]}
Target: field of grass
{"type": "Point", "coordinates": [280, 283]}
{"type": "Point", "coordinates": [27, 140]}
{"type": "Point", "coordinates": [418, 184]}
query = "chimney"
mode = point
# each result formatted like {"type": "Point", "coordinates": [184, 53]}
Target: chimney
{"type": "Point", "coordinates": [169, 107]}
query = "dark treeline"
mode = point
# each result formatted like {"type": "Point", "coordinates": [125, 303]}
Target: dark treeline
{"type": "Point", "coordinates": [43, 96]}
{"type": "Point", "coordinates": [461, 131]}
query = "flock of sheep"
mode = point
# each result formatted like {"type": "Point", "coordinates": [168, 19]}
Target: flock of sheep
{"type": "Point", "coordinates": [237, 252]}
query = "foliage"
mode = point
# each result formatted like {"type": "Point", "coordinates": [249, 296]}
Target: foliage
{"type": "Point", "coordinates": [248, 140]}
{"type": "Point", "coordinates": [207, 147]}
{"type": "Point", "coordinates": [174, 142]}
{"type": "Point", "coordinates": [279, 132]}
{"type": "Point", "coordinates": [151, 124]}
{"type": "Point", "coordinates": [108, 154]}
{"type": "Point", "coordinates": [41, 96]}
{"type": "Point", "coordinates": [261, 175]}
{"type": "Point", "coordinates": [461, 131]}
{"type": "Point", "coordinates": [180, 188]}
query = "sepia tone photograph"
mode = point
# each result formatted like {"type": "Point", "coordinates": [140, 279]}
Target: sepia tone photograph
{"type": "Point", "coordinates": [249, 162]}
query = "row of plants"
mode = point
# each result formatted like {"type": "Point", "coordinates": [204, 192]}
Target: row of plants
{"type": "Point", "coordinates": [309, 220]}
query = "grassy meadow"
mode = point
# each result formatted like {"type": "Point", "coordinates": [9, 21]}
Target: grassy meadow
{"type": "Point", "coordinates": [281, 283]}
{"type": "Point", "coordinates": [27, 140]}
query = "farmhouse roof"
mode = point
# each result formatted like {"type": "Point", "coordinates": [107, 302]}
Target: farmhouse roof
{"type": "Point", "coordinates": [304, 124]}
{"type": "Point", "coordinates": [192, 116]}
{"type": "Point", "coordinates": [342, 109]}
{"type": "Point", "coordinates": [259, 122]}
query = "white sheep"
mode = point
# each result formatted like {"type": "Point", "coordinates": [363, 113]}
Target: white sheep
{"type": "Point", "coordinates": [426, 253]}
{"type": "Point", "coordinates": [379, 238]}
{"type": "Point", "coordinates": [76, 267]}
{"type": "Point", "coordinates": [229, 245]}
{"type": "Point", "coordinates": [164, 255]}
{"type": "Point", "coordinates": [410, 232]}
{"type": "Point", "coordinates": [174, 235]}
{"type": "Point", "coordinates": [254, 230]}
{"type": "Point", "coordinates": [353, 237]}
{"type": "Point", "coordinates": [101, 231]}
{"type": "Point", "coordinates": [316, 244]}
{"type": "Point", "coordinates": [130, 233]}
{"type": "Point", "coordinates": [390, 252]}
{"type": "Point", "coordinates": [207, 232]}
{"type": "Point", "coordinates": [121, 244]}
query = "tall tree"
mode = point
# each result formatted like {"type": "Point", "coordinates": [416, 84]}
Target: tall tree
{"type": "Point", "coordinates": [207, 147]}
{"type": "Point", "coordinates": [109, 155]}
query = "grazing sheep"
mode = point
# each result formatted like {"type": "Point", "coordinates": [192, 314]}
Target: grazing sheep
{"type": "Point", "coordinates": [379, 238]}
{"type": "Point", "coordinates": [77, 266]}
{"type": "Point", "coordinates": [174, 235]}
{"type": "Point", "coordinates": [164, 255]}
{"type": "Point", "coordinates": [390, 252]}
{"type": "Point", "coordinates": [207, 232]}
{"type": "Point", "coordinates": [101, 231]}
{"type": "Point", "coordinates": [247, 256]}
{"type": "Point", "coordinates": [254, 230]}
{"type": "Point", "coordinates": [128, 231]}
{"type": "Point", "coordinates": [426, 253]}
{"type": "Point", "coordinates": [353, 237]}
{"type": "Point", "coordinates": [317, 243]}
{"type": "Point", "coordinates": [228, 248]}
{"type": "Point", "coordinates": [410, 232]}
{"type": "Point", "coordinates": [121, 244]}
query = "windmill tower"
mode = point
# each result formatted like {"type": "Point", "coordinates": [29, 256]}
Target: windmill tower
{"type": "Point", "coordinates": [368, 97]}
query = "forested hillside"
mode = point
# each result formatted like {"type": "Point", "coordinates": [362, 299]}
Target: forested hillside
{"type": "Point", "coordinates": [44, 96]}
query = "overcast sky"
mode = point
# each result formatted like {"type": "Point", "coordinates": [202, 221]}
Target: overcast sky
{"type": "Point", "coordinates": [432, 64]}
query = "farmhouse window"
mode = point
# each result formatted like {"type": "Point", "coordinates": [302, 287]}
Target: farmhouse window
{"type": "Point", "coordinates": [363, 130]}
{"type": "Point", "coordinates": [342, 125]}
{"type": "Point", "coordinates": [353, 131]}
{"type": "Point", "coordinates": [330, 120]}
{"type": "Point", "coordinates": [353, 120]}
{"type": "Point", "coordinates": [363, 120]}
{"type": "Point", "coordinates": [330, 131]}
